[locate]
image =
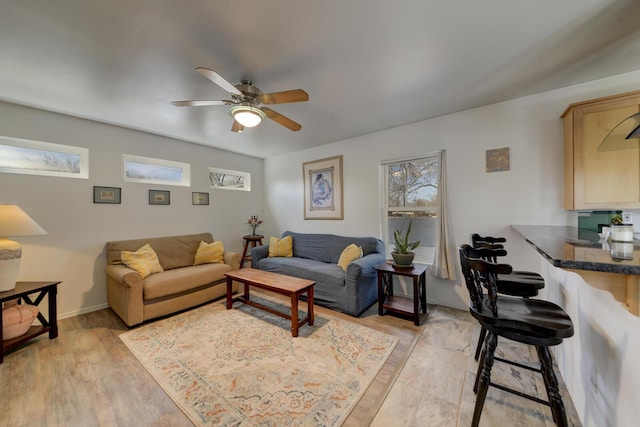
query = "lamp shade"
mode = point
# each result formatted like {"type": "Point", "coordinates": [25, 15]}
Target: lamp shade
{"type": "Point", "coordinates": [15, 222]}
{"type": "Point", "coordinates": [247, 115]}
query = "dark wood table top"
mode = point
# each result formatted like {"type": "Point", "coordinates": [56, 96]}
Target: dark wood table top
{"type": "Point", "coordinates": [415, 270]}
{"type": "Point", "coordinates": [24, 288]}
{"type": "Point", "coordinates": [274, 280]}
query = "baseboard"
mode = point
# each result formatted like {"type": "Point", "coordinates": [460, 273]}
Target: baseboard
{"type": "Point", "coordinates": [82, 311]}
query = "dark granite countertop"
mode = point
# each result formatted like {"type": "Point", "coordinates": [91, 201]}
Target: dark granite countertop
{"type": "Point", "coordinates": [571, 247]}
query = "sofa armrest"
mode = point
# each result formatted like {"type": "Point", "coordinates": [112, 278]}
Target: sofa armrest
{"type": "Point", "coordinates": [233, 259]}
{"type": "Point", "coordinates": [126, 276]}
{"type": "Point", "coordinates": [258, 253]}
{"type": "Point", "coordinates": [363, 267]}
{"type": "Point", "coordinates": [125, 293]}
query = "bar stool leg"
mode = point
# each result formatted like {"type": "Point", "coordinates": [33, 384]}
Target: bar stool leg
{"type": "Point", "coordinates": [492, 343]}
{"type": "Point", "coordinates": [551, 383]}
{"type": "Point", "coordinates": [483, 346]}
{"type": "Point", "coordinates": [483, 334]}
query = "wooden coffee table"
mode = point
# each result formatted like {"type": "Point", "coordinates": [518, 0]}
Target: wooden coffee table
{"type": "Point", "coordinates": [279, 283]}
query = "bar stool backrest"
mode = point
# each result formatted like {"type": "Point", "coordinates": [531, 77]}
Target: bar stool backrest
{"type": "Point", "coordinates": [480, 274]}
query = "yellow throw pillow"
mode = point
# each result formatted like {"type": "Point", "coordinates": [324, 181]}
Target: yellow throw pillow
{"type": "Point", "coordinates": [144, 260]}
{"type": "Point", "coordinates": [209, 253]}
{"type": "Point", "coordinates": [281, 247]}
{"type": "Point", "coordinates": [350, 253]}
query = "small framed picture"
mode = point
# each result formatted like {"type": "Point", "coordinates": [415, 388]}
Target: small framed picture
{"type": "Point", "coordinates": [199, 198]}
{"type": "Point", "coordinates": [498, 160]}
{"type": "Point", "coordinates": [159, 197]}
{"type": "Point", "coordinates": [106, 195]}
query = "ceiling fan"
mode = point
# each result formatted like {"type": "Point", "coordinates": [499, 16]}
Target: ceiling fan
{"type": "Point", "coordinates": [246, 99]}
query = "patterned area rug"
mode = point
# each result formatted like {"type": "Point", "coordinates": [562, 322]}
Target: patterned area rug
{"type": "Point", "coordinates": [242, 367]}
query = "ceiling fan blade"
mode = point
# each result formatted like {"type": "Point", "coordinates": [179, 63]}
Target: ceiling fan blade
{"type": "Point", "coordinates": [283, 120]}
{"type": "Point", "coordinates": [199, 103]}
{"type": "Point", "coordinates": [236, 127]}
{"type": "Point", "coordinates": [295, 95]}
{"type": "Point", "coordinates": [219, 80]}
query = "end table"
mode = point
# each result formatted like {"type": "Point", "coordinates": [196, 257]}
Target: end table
{"type": "Point", "coordinates": [22, 291]}
{"type": "Point", "coordinates": [254, 241]}
{"type": "Point", "coordinates": [397, 304]}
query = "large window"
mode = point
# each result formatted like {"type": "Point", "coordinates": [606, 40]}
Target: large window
{"type": "Point", "coordinates": [410, 194]}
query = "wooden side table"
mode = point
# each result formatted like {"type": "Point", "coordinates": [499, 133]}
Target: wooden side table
{"type": "Point", "coordinates": [22, 291]}
{"type": "Point", "coordinates": [397, 304]}
{"type": "Point", "coordinates": [254, 241]}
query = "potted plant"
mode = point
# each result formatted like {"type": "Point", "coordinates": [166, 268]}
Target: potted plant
{"type": "Point", "coordinates": [402, 253]}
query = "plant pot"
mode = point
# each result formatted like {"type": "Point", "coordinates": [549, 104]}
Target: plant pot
{"type": "Point", "coordinates": [621, 233]}
{"type": "Point", "coordinates": [403, 260]}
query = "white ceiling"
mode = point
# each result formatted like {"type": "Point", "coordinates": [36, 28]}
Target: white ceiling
{"type": "Point", "coordinates": [367, 65]}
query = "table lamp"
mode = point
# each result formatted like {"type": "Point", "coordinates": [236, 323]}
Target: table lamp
{"type": "Point", "coordinates": [13, 222]}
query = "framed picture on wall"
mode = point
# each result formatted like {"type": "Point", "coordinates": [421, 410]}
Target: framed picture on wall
{"type": "Point", "coordinates": [323, 188]}
{"type": "Point", "coordinates": [199, 198]}
{"type": "Point", "coordinates": [110, 195]}
{"type": "Point", "coordinates": [159, 197]}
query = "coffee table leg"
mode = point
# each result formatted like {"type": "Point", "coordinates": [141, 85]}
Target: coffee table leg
{"type": "Point", "coordinates": [310, 305]}
{"type": "Point", "coordinates": [246, 292]}
{"type": "Point", "coordinates": [229, 293]}
{"type": "Point", "coordinates": [294, 314]}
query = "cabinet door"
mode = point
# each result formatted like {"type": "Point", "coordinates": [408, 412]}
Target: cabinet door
{"type": "Point", "coordinates": [608, 179]}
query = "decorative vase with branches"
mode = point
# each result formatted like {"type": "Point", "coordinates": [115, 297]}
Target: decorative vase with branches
{"type": "Point", "coordinates": [254, 222]}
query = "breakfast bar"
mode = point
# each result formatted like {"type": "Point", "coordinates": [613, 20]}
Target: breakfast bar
{"type": "Point", "coordinates": [596, 282]}
{"type": "Point", "coordinates": [608, 265]}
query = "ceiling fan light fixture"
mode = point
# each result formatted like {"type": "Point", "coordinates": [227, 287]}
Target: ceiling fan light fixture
{"type": "Point", "coordinates": [247, 115]}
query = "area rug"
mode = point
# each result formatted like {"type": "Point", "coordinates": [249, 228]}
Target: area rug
{"type": "Point", "coordinates": [242, 367]}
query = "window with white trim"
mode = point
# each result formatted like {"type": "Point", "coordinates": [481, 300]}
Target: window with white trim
{"type": "Point", "coordinates": [410, 188]}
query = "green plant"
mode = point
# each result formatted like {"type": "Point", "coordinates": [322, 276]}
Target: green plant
{"type": "Point", "coordinates": [403, 246]}
{"type": "Point", "coordinates": [616, 220]}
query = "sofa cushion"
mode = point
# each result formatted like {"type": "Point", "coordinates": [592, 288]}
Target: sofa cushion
{"type": "Point", "coordinates": [350, 253]}
{"type": "Point", "coordinates": [172, 282]}
{"type": "Point", "coordinates": [304, 268]}
{"type": "Point", "coordinates": [173, 251]}
{"type": "Point", "coordinates": [281, 247]}
{"type": "Point", "coordinates": [208, 253]}
{"type": "Point", "coordinates": [329, 247]}
{"type": "Point", "coordinates": [144, 261]}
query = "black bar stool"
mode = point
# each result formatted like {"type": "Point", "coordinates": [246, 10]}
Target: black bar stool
{"type": "Point", "coordinates": [529, 321]}
{"type": "Point", "coordinates": [524, 284]}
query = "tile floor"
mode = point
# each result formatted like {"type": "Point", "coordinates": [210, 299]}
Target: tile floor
{"type": "Point", "coordinates": [418, 398]}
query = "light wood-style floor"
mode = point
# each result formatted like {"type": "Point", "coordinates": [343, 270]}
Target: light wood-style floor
{"type": "Point", "coordinates": [87, 377]}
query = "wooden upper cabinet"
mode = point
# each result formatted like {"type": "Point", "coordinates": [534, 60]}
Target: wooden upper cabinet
{"type": "Point", "coordinates": [594, 179]}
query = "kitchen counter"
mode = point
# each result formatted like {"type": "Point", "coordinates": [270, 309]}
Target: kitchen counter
{"type": "Point", "coordinates": [578, 249]}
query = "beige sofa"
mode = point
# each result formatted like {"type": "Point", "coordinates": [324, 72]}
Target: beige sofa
{"type": "Point", "coordinates": [180, 286]}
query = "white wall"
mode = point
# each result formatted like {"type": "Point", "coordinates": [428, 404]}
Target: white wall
{"type": "Point", "coordinates": [73, 249]}
{"type": "Point", "coordinates": [480, 202]}
{"type": "Point", "coordinates": [599, 363]}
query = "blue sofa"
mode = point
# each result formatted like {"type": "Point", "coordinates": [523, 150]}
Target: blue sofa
{"type": "Point", "coordinates": [315, 257]}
